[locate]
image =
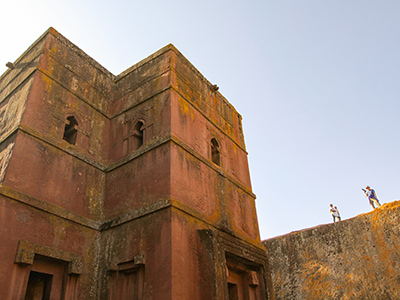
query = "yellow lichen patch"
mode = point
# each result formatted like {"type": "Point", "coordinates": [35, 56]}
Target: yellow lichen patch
{"type": "Point", "coordinates": [234, 148]}
{"type": "Point", "coordinates": [94, 194]}
{"type": "Point", "coordinates": [323, 281]}
{"type": "Point", "coordinates": [387, 243]}
{"type": "Point", "coordinates": [49, 83]}
{"type": "Point", "coordinates": [316, 277]}
{"type": "Point", "coordinates": [59, 229]}
{"type": "Point", "coordinates": [381, 214]}
{"type": "Point", "coordinates": [183, 106]}
{"type": "Point", "coordinates": [192, 114]}
{"type": "Point", "coordinates": [278, 284]}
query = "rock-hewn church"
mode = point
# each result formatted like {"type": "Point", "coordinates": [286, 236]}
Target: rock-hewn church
{"type": "Point", "coordinates": [133, 186]}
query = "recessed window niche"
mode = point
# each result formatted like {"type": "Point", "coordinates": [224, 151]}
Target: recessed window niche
{"type": "Point", "coordinates": [215, 152]}
{"type": "Point", "coordinates": [70, 130]}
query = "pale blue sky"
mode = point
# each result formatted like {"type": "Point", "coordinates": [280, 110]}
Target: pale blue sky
{"type": "Point", "coordinates": [317, 84]}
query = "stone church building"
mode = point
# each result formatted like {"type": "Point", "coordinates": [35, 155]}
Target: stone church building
{"type": "Point", "coordinates": [137, 187]}
{"type": "Point", "coordinates": [133, 186]}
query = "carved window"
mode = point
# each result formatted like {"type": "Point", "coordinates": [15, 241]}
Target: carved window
{"type": "Point", "coordinates": [133, 136]}
{"type": "Point", "coordinates": [215, 152]}
{"type": "Point", "coordinates": [137, 135]}
{"type": "Point", "coordinates": [127, 286]}
{"type": "Point", "coordinates": [39, 286]}
{"type": "Point", "coordinates": [70, 131]}
{"type": "Point", "coordinates": [127, 281]}
{"type": "Point", "coordinates": [50, 273]}
{"type": "Point", "coordinates": [233, 291]}
{"type": "Point", "coordinates": [244, 281]}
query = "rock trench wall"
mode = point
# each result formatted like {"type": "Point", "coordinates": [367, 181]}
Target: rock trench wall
{"type": "Point", "coordinates": [357, 258]}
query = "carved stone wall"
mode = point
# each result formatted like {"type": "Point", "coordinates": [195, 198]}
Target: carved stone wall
{"type": "Point", "coordinates": [108, 183]}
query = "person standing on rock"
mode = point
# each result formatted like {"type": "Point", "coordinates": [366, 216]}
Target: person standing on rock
{"type": "Point", "coordinates": [338, 214]}
{"type": "Point", "coordinates": [335, 213]}
{"type": "Point", "coordinates": [370, 193]}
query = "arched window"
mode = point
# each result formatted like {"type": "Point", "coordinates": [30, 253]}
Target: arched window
{"type": "Point", "coordinates": [138, 135]}
{"type": "Point", "coordinates": [215, 152]}
{"type": "Point", "coordinates": [70, 131]}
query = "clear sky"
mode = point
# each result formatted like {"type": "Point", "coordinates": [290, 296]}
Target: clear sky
{"type": "Point", "coordinates": [316, 82]}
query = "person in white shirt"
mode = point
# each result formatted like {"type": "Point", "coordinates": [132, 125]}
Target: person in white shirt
{"type": "Point", "coordinates": [335, 213]}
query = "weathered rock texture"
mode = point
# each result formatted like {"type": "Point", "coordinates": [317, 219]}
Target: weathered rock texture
{"type": "Point", "coordinates": [133, 186]}
{"type": "Point", "coordinates": [357, 258]}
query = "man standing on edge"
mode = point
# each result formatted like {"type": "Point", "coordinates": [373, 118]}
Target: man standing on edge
{"type": "Point", "coordinates": [370, 193]}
